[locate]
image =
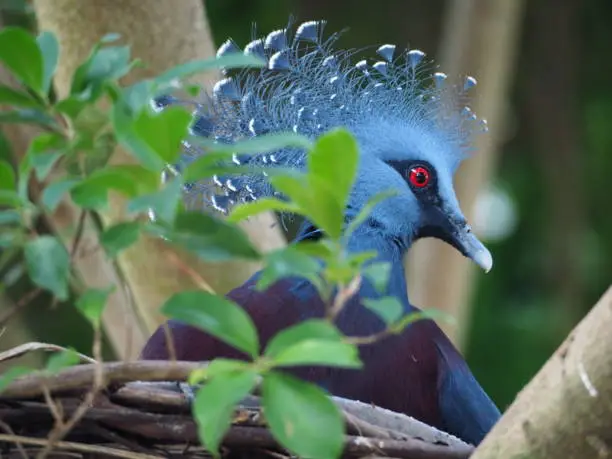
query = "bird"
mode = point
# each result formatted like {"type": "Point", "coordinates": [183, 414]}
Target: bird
{"type": "Point", "coordinates": [411, 139]}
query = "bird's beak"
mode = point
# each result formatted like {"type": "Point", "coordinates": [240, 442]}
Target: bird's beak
{"type": "Point", "coordinates": [452, 227]}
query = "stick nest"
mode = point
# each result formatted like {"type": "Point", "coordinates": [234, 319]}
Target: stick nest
{"type": "Point", "coordinates": [138, 410]}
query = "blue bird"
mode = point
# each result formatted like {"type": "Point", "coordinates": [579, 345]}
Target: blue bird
{"type": "Point", "coordinates": [411, 140]}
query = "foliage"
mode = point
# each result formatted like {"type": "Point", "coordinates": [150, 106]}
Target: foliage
{"type": "Point", "coordinates": [71, 157]}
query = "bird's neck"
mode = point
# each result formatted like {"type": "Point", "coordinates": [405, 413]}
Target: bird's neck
{"type": "Point", "coordinates": [388, 250]}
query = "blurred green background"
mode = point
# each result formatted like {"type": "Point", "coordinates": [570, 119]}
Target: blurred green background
{"type": "Point", "coordinates": [553, 256]}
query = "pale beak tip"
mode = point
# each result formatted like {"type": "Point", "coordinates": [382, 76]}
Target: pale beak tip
{"type": "Point", "coordinates": [484, 259]}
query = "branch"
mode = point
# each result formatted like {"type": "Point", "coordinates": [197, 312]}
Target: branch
{"type": "Point", "coordinates": [82, 376]}
{"type": "Point", "coordinates": [566, 410]}
{"type": "Point", "coordinates": [149, 417]}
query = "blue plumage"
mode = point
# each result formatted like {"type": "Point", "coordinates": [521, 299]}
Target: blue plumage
{"type": "Point", "coordinates": [310, 87]}
{"type": "Point", "coordinates": [411, 138]}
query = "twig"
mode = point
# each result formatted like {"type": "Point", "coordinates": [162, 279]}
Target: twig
{"type": "Point", "coordinates": [22, 349]}
{"type": "Point", "coordinates": [109, 435]}
{"type": "Point", "coordinates": [78, 447]}
{"type": "Point", "coordinates": [18, 444]}
{"type": "Point", "coordinates": [344, 294]}
{"type": "Point", "coordinates": [61, 428]}
{"type": "Point", "coordinates": [169, 342]}
{"type": "Point", "coordinates": [58, 417]}
{"type": "Point", "coordinates": [190, 272]}
{"type": "Point", "coordinates": [78, 235]}
{"type": "Point", "coordinates": [369, 339]}
{"type": "Point", "coordinates": [81, 376]}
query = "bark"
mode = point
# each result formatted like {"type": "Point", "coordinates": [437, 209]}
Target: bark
{"type": "Point", "coordinates": [162, 34]}
{"type": "Point", "coordinates": [566, 410]}
{"type": "Point", "coordinates": [480, 39]}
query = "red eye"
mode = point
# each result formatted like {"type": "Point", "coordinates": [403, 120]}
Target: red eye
{"type": "Point", "coordinates": [419, 177]}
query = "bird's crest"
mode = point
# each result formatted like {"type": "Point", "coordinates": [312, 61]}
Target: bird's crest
{"type": "Point", "coordinates": [309, 87]}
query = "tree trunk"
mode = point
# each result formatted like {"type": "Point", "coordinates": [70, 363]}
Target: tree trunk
{"type": "Point", "coordinates": [480, 39]}
{"type": "Point", "coordinates": [162, 34]}
{"type": "Point", "coordinates": [566, 410]}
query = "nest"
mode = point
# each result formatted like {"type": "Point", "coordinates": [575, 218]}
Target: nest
{"type": "Point", "coordinates": [137, 410]}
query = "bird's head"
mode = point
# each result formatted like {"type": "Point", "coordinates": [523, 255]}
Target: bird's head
{"type": "Point", "coordinates": [419, 166]}
{"type": "Point", "coordinates": [410, 133]}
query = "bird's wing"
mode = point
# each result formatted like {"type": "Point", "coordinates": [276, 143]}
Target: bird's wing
{"type": "Point", "coordinates": [467, 411]}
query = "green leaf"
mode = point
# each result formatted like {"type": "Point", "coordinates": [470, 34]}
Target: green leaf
{"type": "Point", "coordinates": [110, 37]}
{"type": "Point", "coordinates": [216, 367]}
{"type": "Point", "coordinates": [11, 374]}
{"type": "Point", "coordinates": [109, 63]}
{"type": "Point", "coordinates": [48, 265]}
{"type": "Point", "coordinates": [366, 210]}
{"type": "Point", "coordinates": [92, 193]}
{"type": "Point", "coordinates": [138, 96]}
{"type": "Point", "coordinates": [10, 198]}
{"type": "Point", "coordinates": [214, 405]}
{"type": "Point", "coordinates": [207, 237]}
{"type": "Point", "coordinates": [266, 143]}
{"type": "Point", "coordinates": [119, 237]}
{"type": "Point", "coordinates": [287, 262]}
{"type": "Point", "coordinates": [130, 179]}
{"type": "Point", "coordinates": [357, 260]}
{"type": "Point", "coordinates": [28, 116]}
{"type": "Point", "coordinates": [9, 217]}
{"type": "Point", "coordinates": [54, 192]}
{"type": "Point", "coordinates": [91, 304]}
{"type": "Point", "coordinates": [165, 203]}
{"type": "Point", "coordinates": [99, 155]}
{"type": "Point", "coordinates": [44, 151]}
{"type": "Point", "coordinates": [124, 127]}
{"type": "Point", "coordinates": [314, 201]}
{"type": "Point", "coordinates": [72, 105]}
{"type": "Point", "coordinates": [388, 308]}
{"type": "Point", "coordinates": [61, 360]}
{"type": "Point", "coordinates": [319, 352]}
{"type": "Point", "coordinates": [309, 329]}
{"type": "Point", "coordinates": [259, 206]}
{"type": "Point", "coordinates": [216, 315]}
{"type": "Point", "coordinates": [102, 65]}
{"type": "Point", "coordinates": [320, 248]}
{"type": "Point", "coordinates": [49, 47]}
{"type": "Point", "coordinates": [44, 162]}
{"type": "Point", "coordinates": [90, 121]}
{"type": "Point", "coordinates": [7, 176]}
{"type": "Point", "coordinates": [334, 160]}
{"type": "Point", "coordinates": [378, 273]}
{"type": "Point", "coordinates": [21, 55]}
{"type": "Point", "coordinates": [228, 61]}
{"type": "Point", "coordinates": [10, 96]}
{"type": "Point", "coordinates": [11, 239]}
{"type": "Point", "coordinates": [164, 131]}
{"type": "Point", "coordinates": [219, 163]}
{"type": "Point", "coordinates": [412, 317]}
{"type": "Point", "coordinates": [296, 188]}
{"type": "Point", "coordinates": [301, 417]}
